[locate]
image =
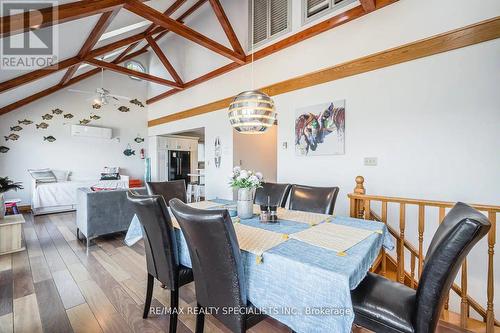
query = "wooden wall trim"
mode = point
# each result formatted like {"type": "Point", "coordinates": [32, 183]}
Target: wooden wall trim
{"type": "Point", "coordinates": [473, 34]}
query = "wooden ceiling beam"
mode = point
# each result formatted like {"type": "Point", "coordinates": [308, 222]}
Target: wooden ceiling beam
{"type": "Point", "coordinates": [226, 26]}
{"type": "Point", "coordinates": [37, 74]}
{"type": "Point", "coordinates": [99, 29]}
{"type": "Point", "coordinates": [126, 71]}
{"type": "Point", "coordinates": [46, 17]}
{"type": "Point", "coordinates": [170, 10]}
{"type": "Point", "coordinates": [300, 36]}
{"type": "Point", "coordinates": [368, 5]}
{"type": "Point", "coordinates": [138, 8]}
{"type": "Point", "coordinates": [48, 91]}
{"type": "Point", "coordinates": [168, 66]}
{"type": "Point", "coordinates": [57, 87]}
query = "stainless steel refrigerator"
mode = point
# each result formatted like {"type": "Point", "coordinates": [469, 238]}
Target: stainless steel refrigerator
{"type": "Point", "coordinates": [179, 165]}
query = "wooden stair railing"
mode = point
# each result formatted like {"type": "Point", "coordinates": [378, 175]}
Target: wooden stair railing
{"type": "Point", "coordinates": [360, 207]}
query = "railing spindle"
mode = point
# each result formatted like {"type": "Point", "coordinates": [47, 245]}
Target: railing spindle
{"type": "Point", "coordinates": [421, 220]}
{"type": "Point", "coordinates": [401, 254]}
{"type": "Point", "coordinates": [367, 215]}
{"type": "Point", "coordinates": [412, 270]}
{"type": "Point", "coordinates": [442, 213]}
{"type": "Point", "coordinates": [384, 256]}
{"type": "Point", "coordinates": [490, 314]}
{"type": "Point", "coordinates": [464, 305]}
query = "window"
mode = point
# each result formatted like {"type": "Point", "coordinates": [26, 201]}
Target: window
{"type": "Point", "coordinates": [271, 18]}
{"type": "Point", "coordinates": [312, 9]}
{"type": "Point", "coordinates": [135, 66]}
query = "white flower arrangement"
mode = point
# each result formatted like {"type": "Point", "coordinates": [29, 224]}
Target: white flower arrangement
{"type": "Point", "coordinates": [245, 178]}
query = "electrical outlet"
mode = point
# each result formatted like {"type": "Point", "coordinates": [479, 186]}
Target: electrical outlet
{"type": "Point", "coordinates": [284, 145]}
{"type": "Point", "coordinates": [370, 161]}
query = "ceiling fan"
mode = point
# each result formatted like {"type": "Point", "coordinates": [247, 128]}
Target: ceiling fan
{"type": "Point", "coordinates": [102, 96]}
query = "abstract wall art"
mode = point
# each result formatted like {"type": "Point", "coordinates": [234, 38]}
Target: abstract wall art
{"type": "Point", "coordinates": [320, 129]}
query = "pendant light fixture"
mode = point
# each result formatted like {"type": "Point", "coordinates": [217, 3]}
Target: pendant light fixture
{"type": "Point", "coordinates": [252, 112]}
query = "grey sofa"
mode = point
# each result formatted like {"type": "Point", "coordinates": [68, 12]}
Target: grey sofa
{"type": "Point", "coordinates": [103, 212]}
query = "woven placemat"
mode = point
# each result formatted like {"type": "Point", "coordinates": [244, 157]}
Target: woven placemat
{"type": "Point", "coordinates": [256, 240]}
{"type": "Point", "coordinates": [336, 237]}
{"type": "Point", "coordinates": [302, 217]}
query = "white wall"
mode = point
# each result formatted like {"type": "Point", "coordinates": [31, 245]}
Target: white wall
{"type": "Point", "coordinates": [257, 152]}
{"type": "Point", "coordinates": [433, 123]}
{"type": "Point", "coordinates": [85, 157]}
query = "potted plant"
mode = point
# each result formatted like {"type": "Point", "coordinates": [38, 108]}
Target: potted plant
{"type": "Point", "coordinates": [6, 185]}
{"type": "Point", "coordinates": [246, 181]}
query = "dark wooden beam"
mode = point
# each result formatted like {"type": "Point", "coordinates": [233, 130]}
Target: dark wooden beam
{"type": "Point", "coordinates": [170, 10]}
{"type": "Point", "coordinates": [37, 74]}
{"type": "Point", "coordinates": [126, 71]}
{"type": "Point", "coordinates": [168, 66]}
{"type": "Point", "coordinates": [226, 26]}
{"type": "Point", "coordinates": [368, 5]}
{"type": "Point", "coordinates": [470, 35]}
{"type": "Point", "coordinates": [57, 87]}
{"type": "Point", "coordinates": [138, 8]}
{"type": "Point", "coordinates": [312, 31]}
{"type": "Point", "coordinates": [46, 17]}
{"type": "Point", "coordinates": [100, 27]}
{"type": "Point", "coordinates": [47, 91]}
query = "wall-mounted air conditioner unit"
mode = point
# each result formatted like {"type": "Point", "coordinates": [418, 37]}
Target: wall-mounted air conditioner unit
{"type": "Point", "coordinates": [91, 132]}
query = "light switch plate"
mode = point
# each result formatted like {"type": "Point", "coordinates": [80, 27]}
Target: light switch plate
{"type": "Point", "coordinates": [371, 161]}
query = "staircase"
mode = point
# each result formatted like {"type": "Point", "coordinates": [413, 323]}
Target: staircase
{"type": "Point", "coordinates": [395, 268]}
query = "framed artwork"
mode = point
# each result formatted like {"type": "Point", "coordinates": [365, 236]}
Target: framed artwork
{"type": "Point", "coordinates": [320, 129]}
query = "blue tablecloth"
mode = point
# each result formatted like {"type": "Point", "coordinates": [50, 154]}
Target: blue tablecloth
{"type": "Point", "coordinates": [303, 286]}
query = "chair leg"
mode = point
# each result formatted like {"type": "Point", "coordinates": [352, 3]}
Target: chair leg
{"type": "Point", "coordinates": [174, 305]}
{"type": "Point", "coordinates": [200, 320]}
{"type": "Point", "coordinates": [77, 233]}
{"type": "Point", "coordinates": [149, 295]}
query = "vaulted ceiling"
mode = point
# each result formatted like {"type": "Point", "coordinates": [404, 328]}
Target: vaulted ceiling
{"type": "Point", "coordinates": [102, 34]}
{"type": "Point", "coordinates": [95, 35]}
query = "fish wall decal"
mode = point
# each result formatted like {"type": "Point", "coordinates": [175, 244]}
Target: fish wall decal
{"type": "Point", "coordinates": [94, 117]}
{"type": "Point", "coordinates": [25, 122]}
{"type": "Point", "coordinates": [12, 137]}
{"type": "Point", "coordinates": [16, 128]}
{"type": "Point", "coordinates": [47, 116]}
{"type": "Point", "coordinates": [68, 116]}
{"type": "Point", "coordinates": [49, 138]}
{"type": "Point", "coordinates": [42, 126]}
{"type": "Point", "coordinates": [136, 102]}
{"type": "Point", "coordinates": [57, 111]}
{"type": "Point", "coordinates": [123, 109]}
{"type": "Point", "coordinates": [84, 121]}
{"type": "Point", "coordinates": [4, 149]}
{"type": "Point", "coordinates": [139, 139]}
{"type": "Point", "coordinates": [96, 106]}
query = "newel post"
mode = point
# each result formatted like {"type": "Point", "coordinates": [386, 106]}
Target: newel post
{"type": "Point", "coordinates": [357, 205]}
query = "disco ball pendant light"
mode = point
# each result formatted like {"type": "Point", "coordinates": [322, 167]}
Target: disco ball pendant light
{"type": "Point", "coordinates": [252, 112]}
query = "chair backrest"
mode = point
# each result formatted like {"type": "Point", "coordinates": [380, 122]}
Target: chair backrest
{"type": "Point", "coordinates": [460, 230]}
{"type": "Point", "coordinates": [313, 199]}
{"type": "Point", "coordinates": [277, 193]}
{"type": "Point", "coordinates": [159, 238]}
{"type": "Point", "coordinates": [215, 258]}
{"type": "Point", "coordinates": [168, 190]}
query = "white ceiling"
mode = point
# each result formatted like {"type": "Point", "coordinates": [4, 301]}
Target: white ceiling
{"type": "Point", "coordinates": [73, 34]}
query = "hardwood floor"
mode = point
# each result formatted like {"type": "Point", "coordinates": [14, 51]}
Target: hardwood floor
{"type": "Point", "coordinates": [57, 285]}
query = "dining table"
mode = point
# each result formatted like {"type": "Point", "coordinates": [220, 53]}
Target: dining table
{"type": "Point", "coordinates": [301, 269]}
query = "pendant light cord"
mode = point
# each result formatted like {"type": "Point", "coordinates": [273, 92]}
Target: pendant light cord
{"type": "Point", "coordinates": [252, 46]}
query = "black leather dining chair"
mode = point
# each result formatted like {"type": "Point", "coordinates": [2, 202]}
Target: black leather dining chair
{"type": "Point", "coordinates": [217, 266]}
{"type": "Point", "coordinates": [313, 199]}
{"type": "Point", "coordinates": [161, 251]}
{"type": "Point", "coordinates": [277, 194]}
{"type": "Point", "coordinates": [168, 190]}
{"type": "Point", "coordinates": [382, 305]}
